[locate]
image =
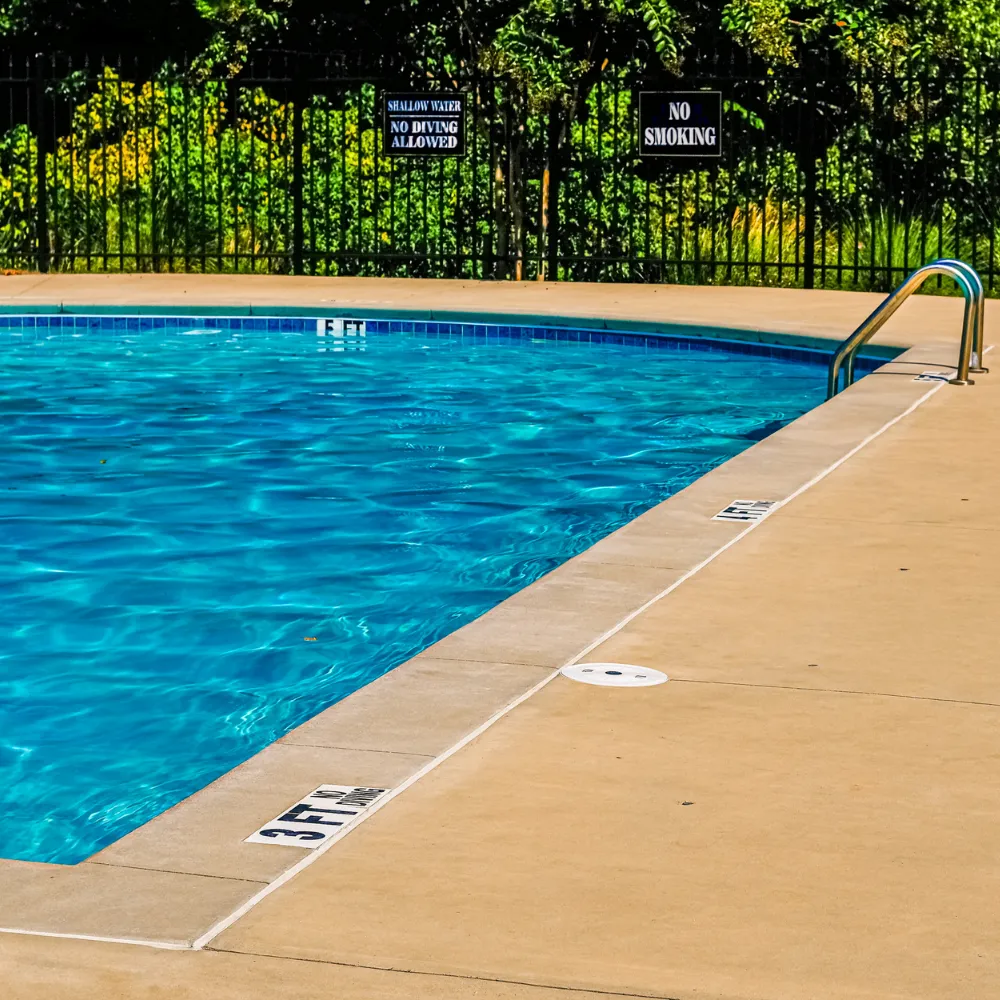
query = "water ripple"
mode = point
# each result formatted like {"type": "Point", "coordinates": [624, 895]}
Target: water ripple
{"type": "Point", "coordinates": [181, 511]}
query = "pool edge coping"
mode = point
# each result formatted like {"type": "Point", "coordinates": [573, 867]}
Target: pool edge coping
{"type": "Point", "coordinates": [870, 407]}
{"type": "Point", "coordinates": [679, 328]}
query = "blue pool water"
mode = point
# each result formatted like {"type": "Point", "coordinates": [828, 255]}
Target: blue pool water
{"type": "Point", "coordinates": [184, 505]}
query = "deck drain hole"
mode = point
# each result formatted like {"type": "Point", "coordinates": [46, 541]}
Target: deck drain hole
{"type": "Point", "coordinates": [746, 510]}
{"type": "Point", "coordinates": [614, 674]}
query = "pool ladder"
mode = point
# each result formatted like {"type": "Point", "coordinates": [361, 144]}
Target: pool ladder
{"type": "Point", "coordinates": [970, 354]}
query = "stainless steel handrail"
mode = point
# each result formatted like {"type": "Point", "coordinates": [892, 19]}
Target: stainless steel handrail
{"type": "Point", "coordinates": [972, 323]}
{"type": "Point", "coordinates": [976, 360]}
{"type": "Point", "coordinates": [977, 340]}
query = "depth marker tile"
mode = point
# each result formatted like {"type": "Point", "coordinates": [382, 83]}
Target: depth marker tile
{"type": "Point", "coordinates": [746, 510]}
{"type": "Point", "coordinates": [316, 818]}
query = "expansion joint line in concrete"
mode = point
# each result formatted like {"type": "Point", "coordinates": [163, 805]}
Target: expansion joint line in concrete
{"type": "Point", "coordinates": [222, 925]}
{"type": "Point", "coordinates": [577, 990]}
{"type": "Point", "coordinates": [846, 691]}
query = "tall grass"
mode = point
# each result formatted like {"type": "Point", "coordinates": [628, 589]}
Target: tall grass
{"type": "Point", "coordinates": [765, 245]}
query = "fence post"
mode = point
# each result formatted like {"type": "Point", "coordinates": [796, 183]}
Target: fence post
{"type": "Point", "coordinates": [298, 226]}
{"type": "Point", "coordinates": [809, 256]}
{"type": "Point", "coordinates": [556, 127]}
{"type": "Point", "coordinates": [41, 184]}
{"type": "Point", "coordinates": [809, 171]}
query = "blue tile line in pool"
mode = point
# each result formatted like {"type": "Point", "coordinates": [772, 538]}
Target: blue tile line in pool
{"type": "Point", "coordinates": [10, 324]}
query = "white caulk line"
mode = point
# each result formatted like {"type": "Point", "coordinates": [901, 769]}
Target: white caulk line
{"type": "Point", "coordinates": [753, 524]}
{"type": "Point", "coordinates": [163, 945]}
{"type": "Point", "coordinates": [287, 876]}
{"type": "Point", "coordinates": [214, 931]}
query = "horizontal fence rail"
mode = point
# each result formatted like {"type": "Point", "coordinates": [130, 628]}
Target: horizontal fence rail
{"type": "Point", "coordinates": [846, 177]}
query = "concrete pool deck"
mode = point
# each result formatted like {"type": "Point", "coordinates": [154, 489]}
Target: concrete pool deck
{"type": "Point", "coordinates": [807, 808]}
{"type": "Point", "coordinates": [757, 313]}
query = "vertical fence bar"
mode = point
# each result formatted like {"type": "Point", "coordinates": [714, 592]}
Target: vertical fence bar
{"type": "Point", "coordinates": [219, 122]}
{"type": "Point", "coordinates": [746, 220]}
{"type": "Point", "coordinates": [270, 123]}
{"type": "Point", "coordinates": [957, 125]}
{"type": "Point", "coordinates": [907, 195]}
{"type": "Point", "coordinates": [978, 129]}
{"type": "Point", "coordinates": [168, 87]}
{"type": "Point", "coordinates": [313, 226]}
{"type": "Point", "coordinates": [332, 244]}
{"type": "Point", "coordinates": [234, 167]}
{"type": "Point", "coordinates": [872, 158]}
{"type": "Point", "coordinates": [372, 247]}
{"type": "Point", "coordinates": [10, 251]}
{"type": "Point", "coordinates": [202, 172]}
{"type": "Point", "coordinates": [154, 227]}
{"type": "Point", "coordinates": [41, 185]}
{"type": "Point", "coordinates": [888, 82]}
{"type": "Point", "coordinates": [72, 225]}
{"type": "Point", "coordinates": [488, 126]}
{"type": "Point", "coordinates": [298, 225]}
{"type": "Point", "coordinates": [614, 222]}
{"type": "Point", "coordinates": [731, 198]}
{"type": "Point", "coordinates": [137, 218]}
{"type": "Point", "coordinates": [545, 191]}
{"type": "Point", "coordinates": [344, 218]}
{"type": "Point", "coordinates": [762, 204]}
{"type": "Point", "coordinates": [185, 160]}
{"type": "Point", "coordinates": [942, 194]}
{"type": "Point", "coordinates": [599, 151]}
{"type": "Point", "coordinates": [795, 142]}
{"type": "Point", "coordinates": [558, 128]}
{"type": "Point", "coordinates": [809, 177]}
{"type": "Point", "coordinates": [328, 147]}
{"type": "Point", "coordinates": [58, 224]}
{"type": "Point", "coordinates": [992, 221]}
{"type": "Point", "coordinates": [925, 136]}
{"type": "Point", "coordinates": [252, 171]}
{"type": "Point", "coordinates": [359, 220]}
{"type": "Point", "coordinates": [105, 144]}
{"type": "Point", "coordinates": [502, 183]}
{"type": "Point", "coordinates": [465, 234]}
{"type": "Point", "coordinates": [823, 180]}
{"type": "Point", "coordinates": [121, 172]}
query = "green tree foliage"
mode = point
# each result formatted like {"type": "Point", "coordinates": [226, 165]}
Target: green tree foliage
{"type": "Point", "coordinates": [131, 29]}
{"type": "Point", "coordinates": [878, 107]}
{"type": "Point", "coordinates": [783, 32]}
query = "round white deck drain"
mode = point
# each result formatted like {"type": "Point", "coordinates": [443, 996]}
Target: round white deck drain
{"type": "Point", "coordinates": [614, 675]}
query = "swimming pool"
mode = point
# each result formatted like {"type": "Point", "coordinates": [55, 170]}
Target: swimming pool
{"type": "Point", "coordinates": [211, 529]}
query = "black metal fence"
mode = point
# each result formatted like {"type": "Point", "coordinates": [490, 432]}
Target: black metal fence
{"type": "Point", "coordinates": [846, 176]}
